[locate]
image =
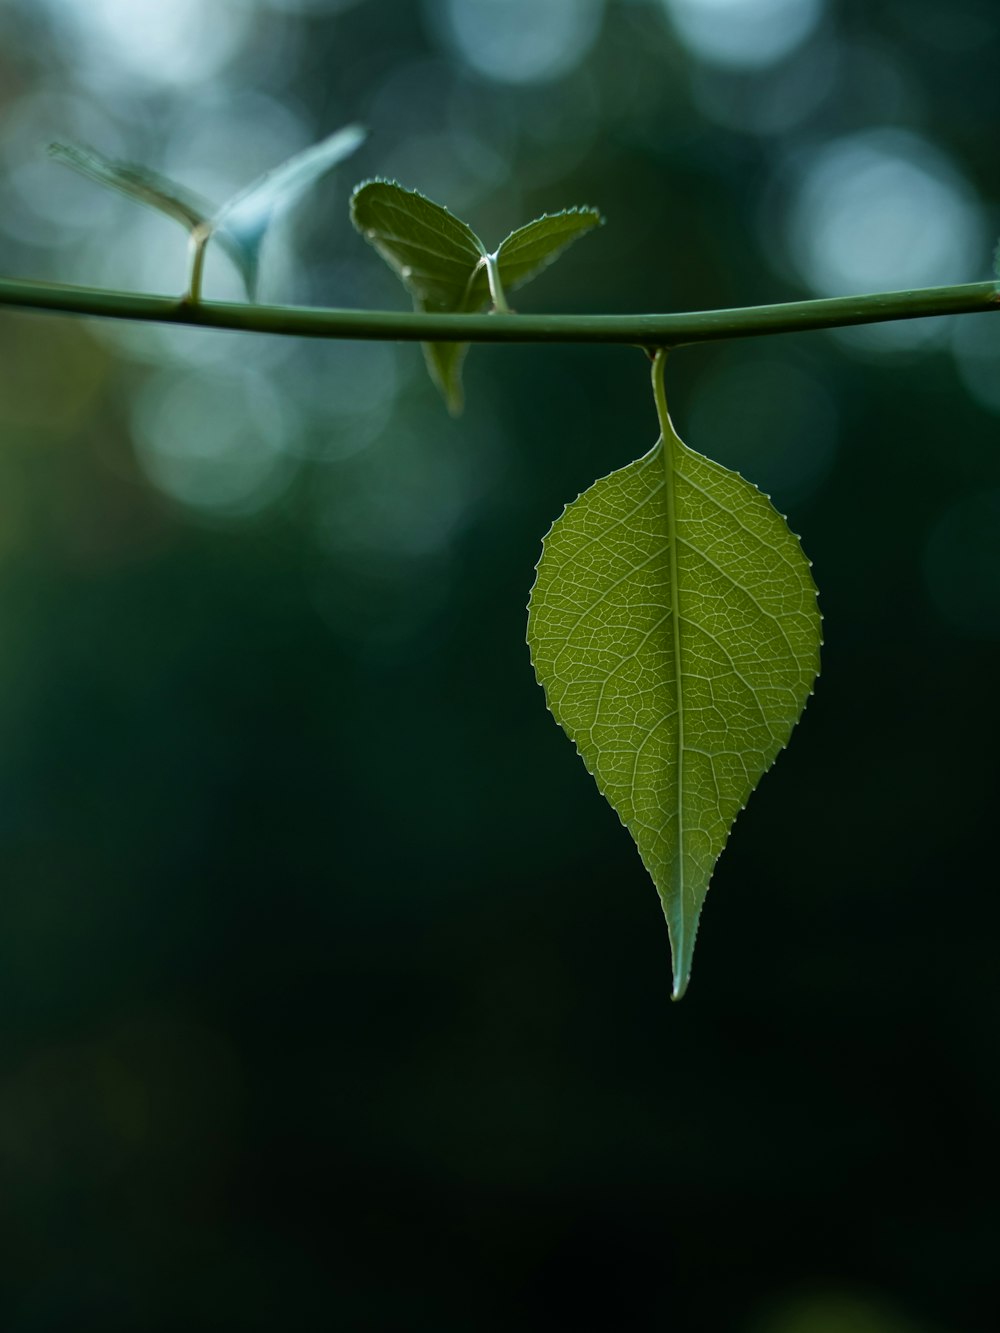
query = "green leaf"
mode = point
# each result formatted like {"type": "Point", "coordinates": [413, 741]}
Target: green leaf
{"type": "Point", "coordinates": [434, 253]}
{"type": "Point", "coordinates": [444, 365]}
{"type": "Point", "coordinates": [443, 263]}
{"type": "Point", "coordinates": [440, 260]}
{"type": "Point", "coordinates": [530, 249]}
{"type": "Point", "coordinates": [674, 627]}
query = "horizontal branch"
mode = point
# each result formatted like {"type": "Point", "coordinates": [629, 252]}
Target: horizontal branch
{"type": "Point", "coordinates": [637, 330]}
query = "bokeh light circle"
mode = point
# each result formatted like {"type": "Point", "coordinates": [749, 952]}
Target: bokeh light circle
{"type": "Point", "coordinates": [216, 441]}
{"type": "Point", "coordinates": [743, 34]}
{"type": "Point", "coordinates": [521, 41]}
{"type": "Point", "coordinates": [879, 210]}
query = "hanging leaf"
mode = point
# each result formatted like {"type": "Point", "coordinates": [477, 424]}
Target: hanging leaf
{"type": "Point", "coordinates": [673, 625]}
{"type": "Point", "coordinates": [242, 222]}
{"type": "Point", "coordinates": [443, 263]}
{"type": "Point", "coordinates": [530, 249]}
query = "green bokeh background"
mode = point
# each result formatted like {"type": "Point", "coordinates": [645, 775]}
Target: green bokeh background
{"type": "Point", "coordinates": [331, 994]}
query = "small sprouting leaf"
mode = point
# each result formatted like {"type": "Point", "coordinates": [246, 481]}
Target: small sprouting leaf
{"type": "Point", "coordinates": [440, 260]}
{"type": "Point", "coordinates": [432, 251]}
{"type": "Point", "coordinates": [443, 263]}
{"type": "Point", "coordinates": [245, 218]}
{"type": "Point", "coordinates": [242, 222]}
{"type": "Point", "coordinates": [139, 183]}
{"type": "Point", "coordinates": [673, 625]}
{"type": "Point", "coordinates": [530, 249]}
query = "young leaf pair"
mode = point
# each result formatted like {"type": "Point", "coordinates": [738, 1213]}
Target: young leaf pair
{"type": "Point", "coordinates": [447, 268]}
{"type": "Point", "coordinates": [242, 222]}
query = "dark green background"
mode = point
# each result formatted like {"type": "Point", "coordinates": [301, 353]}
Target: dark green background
{"type": "Point", "coordinates": [331, 994]}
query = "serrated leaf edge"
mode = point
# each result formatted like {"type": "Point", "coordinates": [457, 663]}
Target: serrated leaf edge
{"type": "Point", "coordinates": [599, 221]}
{"type": "Point", "coordinates": [649, 452]}
{"type": "Point", "coordinates": [418, 194]}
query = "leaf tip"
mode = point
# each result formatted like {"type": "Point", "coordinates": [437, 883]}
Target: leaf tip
{"type": "Point", "coordinates": [682, 939]}
{"type": "Point", "coordinates": [71, 155]}
{"type": "Point", "coordinates": [354, 134]}
{"type": "Point", "coordinates": [383, 182]}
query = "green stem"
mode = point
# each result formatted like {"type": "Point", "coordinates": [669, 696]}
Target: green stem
{"type": "Point", "coordinates": [200, 238]}
{"type": "Point", "coordinates": [496, 286]}
{"type": "Point", "coordinates": [637, 330]}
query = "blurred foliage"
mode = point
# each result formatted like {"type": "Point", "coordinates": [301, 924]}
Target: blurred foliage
{"type": "Point", "coordinates": [331, 992]}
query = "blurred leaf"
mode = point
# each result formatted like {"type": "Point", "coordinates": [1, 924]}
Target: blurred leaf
{"type": "Point", "coordinates": [442, 261]}
{"type": "Point", "coordinates": [245, 218]}
{"type": "Point", "coordinates": [530, 249]}
{"type": "Point", "coordinates": [242, 222]}
{"type": "Point", "coordinates": [139, 183]}
{"type": "Point", "coordinates": [673, 625]}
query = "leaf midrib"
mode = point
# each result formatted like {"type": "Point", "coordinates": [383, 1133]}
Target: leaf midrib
{"type": "Point", "coordinates": [668, 447]}
{"type": "Point", "coordinates": [676, 621]}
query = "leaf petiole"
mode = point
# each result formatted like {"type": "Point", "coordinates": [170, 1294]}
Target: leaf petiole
{"type": "Point", "coordinates": [200, 237]}
{"type": "Point", "coordinates": [497, 294]}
